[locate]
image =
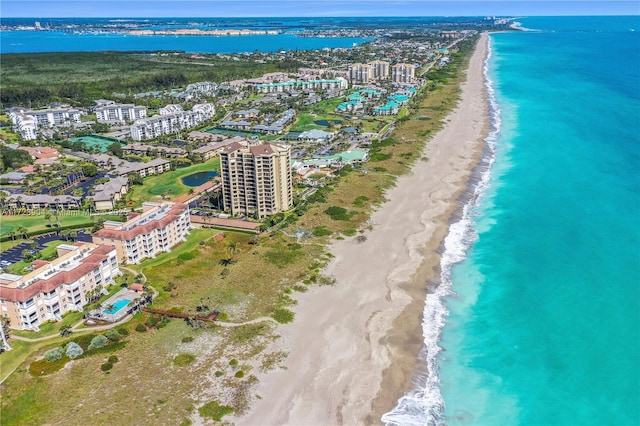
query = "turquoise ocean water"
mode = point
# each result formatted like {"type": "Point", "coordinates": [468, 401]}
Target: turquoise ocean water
{"type": "Point", "coordinates": [537, 319]}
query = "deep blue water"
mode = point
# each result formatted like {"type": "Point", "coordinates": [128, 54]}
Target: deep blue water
{"type": "Point", "coordinates": [543, 324]}
{"type": "Point", "coordinates": [199, 178]}
{"type": "Point", "coordinates": [58, 41]}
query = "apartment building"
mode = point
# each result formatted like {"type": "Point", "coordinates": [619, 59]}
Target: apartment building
{"type": "Point", "coordinates": [119, 113]}
{"type": "Point", "coordinates": [380, 69]}
{"type": "Point", "coordinates": [160, 227]}
{"type": "Point", "coordinates": [26, 125]}
{"type": "Point", "coordinates": [58, 286]}
{"type": "Point", "coordinates": [360, 73]}
{"type": "Point", "coordinates": [172, 119]}
{"type": "Point", "coordinates": [48, 117]}
{"type": "Point", "coordinates": [317, 84]}
{"type": "Point", "coordinates": [256, 180]}
{"type": "Point", "coordinates": [403, 73]}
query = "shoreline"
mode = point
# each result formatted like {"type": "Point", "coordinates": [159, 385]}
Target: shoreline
{"type": "Point", "coordinates": [353, 348]}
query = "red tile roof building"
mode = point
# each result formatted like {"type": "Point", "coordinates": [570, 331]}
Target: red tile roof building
{"type": "Point", "coordinates": [160, 227]}
{"type": "Point", "coordinates": [56, 287]}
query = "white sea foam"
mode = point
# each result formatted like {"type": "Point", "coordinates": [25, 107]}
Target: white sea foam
{"type": "Point", "coordinates": [424, 405]}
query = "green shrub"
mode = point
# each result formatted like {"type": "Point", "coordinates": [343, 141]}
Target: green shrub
{"type": "Point", "coordinates": [187, 339]}
{"type": "Point", "coordinates": [113, 359]}
{"type": "Point", "coordinates": [214, 410]}
{"type": "Point", "coordinates": [183, 360]}
{"type": "Point", "coordinates": [152, 321]}
{"type": "Point", "coordinates": [113, 335]}
{"type": "Point", "coordinates": [338, 213]}
{"type": "Point", "coordinates": [233, 362]}
{"type": "Point", "coordinates": [74, 350]}
{"type": "Point", "coordinates": [239, 374]}
{"type": "Point", "coordinates": [187, 256]}
{"type": "Point", "coordinates": [321, 231]}
{"type": "Point", "coordinates": [141, 328]}
{"type": "Point", "coordinates": [360, 201]}
{"type": "Point", "coordinates": [219, 373]}
{"type": "Point", "coordinates": [282, 315]}
{"type": "Point", "coordinates": [97, 342]}
{"type": "Point", "coordinates": [123, 331]}
{"type": "Point", "coordinates": [106, 366]}
{"type": "Point", "coordinates": [54, 354]}
{"type": "Point", "coordinates": [350, 232]}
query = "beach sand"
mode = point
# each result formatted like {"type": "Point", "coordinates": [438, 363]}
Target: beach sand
{"type": "Point", "coordinates": [353, 346]}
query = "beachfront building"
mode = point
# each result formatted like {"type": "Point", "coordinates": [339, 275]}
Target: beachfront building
{"type": "Point", "coordinates": [56, 287]}
{"type": "Point", "coordinates": [119, 113]}
{"type": "Point", "coordinates": [256, 180]}
{"type": "Point", "coordinates": [172, 119]}
{"type": "Point", "coordinates": [160, 226]}
{"type": "Point", "coordinates": [403, 73]}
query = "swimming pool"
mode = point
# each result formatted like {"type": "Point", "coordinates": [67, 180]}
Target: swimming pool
{"type": "Point", "coordinates": [117, 306]}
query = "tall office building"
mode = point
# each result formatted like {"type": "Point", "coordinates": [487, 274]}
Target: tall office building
{"type": "Point", "coordinates": [256, 180]}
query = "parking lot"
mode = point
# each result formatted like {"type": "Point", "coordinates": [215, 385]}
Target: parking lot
{"type": "Point", "coordinates": [14, 254]}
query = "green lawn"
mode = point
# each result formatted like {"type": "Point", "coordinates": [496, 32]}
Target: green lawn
{"type": "Point", "coordinates": [46, 253]}
{"type": "Point", "coordinates": [39, 223]}
{"type": "Point", "coordinates": [169, 183]}
{"type": "Point", "coordinates": [305, 122]}
{"type": "Point", "coordinates": [327, 106]}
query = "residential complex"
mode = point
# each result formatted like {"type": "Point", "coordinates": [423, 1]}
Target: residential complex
{"type": "Point", "coordinates": [403, 73]}
{"type": "Point", "coordinates": [287, 86]}
{"type": "Point", "coordinates": [256, 179]}
{"type": "Point", "coordinates": [27, 121]}
{"type": "Point", "coordinates": [58, 286]}
{"type": "Point", "coordinates": [157, 229]}
{"type": "Point", "coordinates": [365, 73]}
{"type": "Point", "coordinates": [119, 113]}
{"type": "Point", "coordinates": [172, 119]}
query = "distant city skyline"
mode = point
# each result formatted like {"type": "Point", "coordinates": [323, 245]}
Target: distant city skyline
{"type": "Point", "coordinates": [311, 8]}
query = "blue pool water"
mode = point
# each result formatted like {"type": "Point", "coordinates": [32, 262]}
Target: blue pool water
{"type": "Point", "coordinates": [117, 306]}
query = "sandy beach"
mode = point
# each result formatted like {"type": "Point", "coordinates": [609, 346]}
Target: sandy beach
{"type": "Point", "coordinates": [353, 346]}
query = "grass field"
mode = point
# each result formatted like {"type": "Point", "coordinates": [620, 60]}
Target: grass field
{"type": "Point", "coordinates": [11, 223]}
{"type": "Point", "coordinates": [169, 183]}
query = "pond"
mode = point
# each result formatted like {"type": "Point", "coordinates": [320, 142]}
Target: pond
{"type": "Point", "coordinates": [197, 179]}
{"type": "Point", "coordinates": [326, 122]}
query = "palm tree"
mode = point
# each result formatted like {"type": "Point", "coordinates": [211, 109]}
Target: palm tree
{"type": "Point", "coordinates": [12, 234]}
{"type": "Point", "coordinates": [47, 217]}
{"type": "Point", "coordinates": [227, 262]}
{"type": "Point", "coordinates": [23, 231]}
{"type": "Point", "coordinates": [65, 330]}
{"type": "Point", "coordinates": [232, 248]}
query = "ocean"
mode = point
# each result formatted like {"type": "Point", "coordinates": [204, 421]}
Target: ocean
{"type": "Point", "coordinates": [537, 317]}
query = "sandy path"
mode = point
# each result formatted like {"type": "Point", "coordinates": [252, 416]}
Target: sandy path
{"type": "Point", "coordinates": [353, 346]}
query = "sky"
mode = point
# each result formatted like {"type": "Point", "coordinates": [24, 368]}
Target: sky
{"type": "Point", "coordinates": [309, 8]}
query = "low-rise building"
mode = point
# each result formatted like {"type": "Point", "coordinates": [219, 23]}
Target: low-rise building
{"type": "Point", "coordinates": [108, 194]}
{"type": "Point", "coordinates": [43, 201]}
{"type": "Point", "coordinates": [159, 228]}
{"type": "Point", "coordinates": [172, 119]}
{"type": "Point", "coordinates": [154, 151]}
{"type": "Point", "coordinates": [56, 287]}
